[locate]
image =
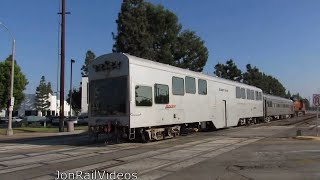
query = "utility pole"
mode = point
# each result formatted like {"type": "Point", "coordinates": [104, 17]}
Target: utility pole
{"type": "Point", "coordinates": [63, 13]}
{"type": "Point", "coordinates": [11, 100]}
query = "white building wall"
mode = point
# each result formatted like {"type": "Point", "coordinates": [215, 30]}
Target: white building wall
{"type": "Point", "coordinates": [53, 102]}
{"type": "Point", "coordinates": [29, 105]}
{"type": "Point", "coordinates": [84, 95]}
{"type": "Point", "coordinates": [2, 113]}
{"type": "Point", "coordinates": [66, 108]}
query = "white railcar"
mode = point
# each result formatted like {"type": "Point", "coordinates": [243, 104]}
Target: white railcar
{"type": "Point", "coordinates": [137, 97]}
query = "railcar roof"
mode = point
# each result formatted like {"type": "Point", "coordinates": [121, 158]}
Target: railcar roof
{"type": "Point", "coordinates": [153, 64]}
{"type": "Point", "coordinates": [277, 97]}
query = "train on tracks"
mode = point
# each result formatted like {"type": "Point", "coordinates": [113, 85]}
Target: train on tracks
{"type": "Point", "coordinates": [135, 98]}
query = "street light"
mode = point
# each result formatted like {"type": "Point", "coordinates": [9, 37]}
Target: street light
{"type": "Point", "coordinates": [71, 62]}
{"type": "Point", "coordinates": [11, 103]}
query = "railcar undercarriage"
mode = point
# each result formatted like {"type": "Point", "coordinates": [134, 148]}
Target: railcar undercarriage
{"type": "Point", "coordinates": [115, 132]}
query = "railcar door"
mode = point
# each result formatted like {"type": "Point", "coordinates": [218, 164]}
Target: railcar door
{"type": "Point", "coordinates": [265, 108]}
{"type": "Point", "coordinates": [224, 112]}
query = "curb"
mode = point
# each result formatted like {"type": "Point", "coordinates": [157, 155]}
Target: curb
{"type": "Point", "coordinates": [317, 138]}
{"type": "Point", "coordinates": [42, 136]}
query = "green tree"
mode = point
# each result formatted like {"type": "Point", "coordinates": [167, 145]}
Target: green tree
{"type": "Point", "coordinates": [132, 35]}
{"type": "Point", "coordinates": [274, 86]}
{"type": "Point", "coordinates": [288, 95]}
{"type": "Point", "coordinates": [76, 100]}
{"type": "Point", "coordinates": [267, 83]}
{"type": "Point", "coordinates": [42, 96]}
{"type": "Point", "coordinates": [191, 52]}
{"type": "Point", "coordinates": [89, 57]}
{"type": "Point", "coordinates": [296, 97]}
{"type": "Point", "coordinates": [154, 33]}
{"type": "Point", "coordinates": [253, 76]}
{"type": "Point", "coordinates": [307, 103]}
{"type": "Point", "coordinates": [49, 88]}
{"type": "Point", "coordinates": [228, 71]}
{"type": "Point", "coordinates": [164, 29]}
{"type": "Point", "coordinates": [20, 83]}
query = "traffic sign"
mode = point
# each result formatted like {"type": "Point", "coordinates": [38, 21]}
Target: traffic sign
{"type": "Point", "coordinates": [12, 101]}
{"type": "Point", "coordinates": [316, 100]}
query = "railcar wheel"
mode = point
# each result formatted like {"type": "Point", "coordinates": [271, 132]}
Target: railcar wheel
{"type": "Point", "coordinates": [267, 119]}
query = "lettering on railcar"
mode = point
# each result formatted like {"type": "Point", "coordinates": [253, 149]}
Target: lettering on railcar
{"type": "Point", "coordinates": [223, 90]}
{"type": "Point", "coordinates": [107, 66]}
{"type": "Point", "coordinates": [170, 106]}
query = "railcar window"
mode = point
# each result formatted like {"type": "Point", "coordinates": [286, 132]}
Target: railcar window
{"type": "Point", "coordinates": [248, 94]}
{"type": "Point", "coordinates": [143, 96]}
{"type": "Point", "coordinates": [177, 86]}
{"type": "Point", "coordinates": [106, 101]}
{"type": "Point", "coordinates": [243, 93]}
{"type": "Point", "coordinates": [260, 95]}
{"type": "Point", "coordinates": [257, 95]}
{"type": "Point", "coordinates": [190, 85]}
{"type": "Point", "coordinates": [202, 86]}
{"type": "Point", "coordinates": [270, 103]}
{"type": "Point", "coordinates": [252, 94]}
{"type": "Point", "coordinates": [238, 92]}
{"type": "Point", "coordinates": [161, 94]}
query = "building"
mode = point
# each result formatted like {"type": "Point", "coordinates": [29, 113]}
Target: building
{"type": "Point", "coordinates": [84, 95]}
{"type": "Point", "coordinates": [28, 108]}
{"type": "Point", "coordinates": [2, 113]}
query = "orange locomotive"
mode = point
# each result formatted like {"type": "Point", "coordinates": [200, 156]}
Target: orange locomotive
{"type": "Point", "coordinates": [299, 107]}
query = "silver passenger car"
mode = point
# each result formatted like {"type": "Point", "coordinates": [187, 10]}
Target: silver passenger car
{"type": "Point", "coordinates": [277, 107]}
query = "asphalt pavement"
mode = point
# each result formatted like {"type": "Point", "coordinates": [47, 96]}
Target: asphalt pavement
{"type": "Point", "coordinates": [252, 152]}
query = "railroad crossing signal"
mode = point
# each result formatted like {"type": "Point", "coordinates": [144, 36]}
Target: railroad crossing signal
{"type": "Point", "coordinates": [316, 100]}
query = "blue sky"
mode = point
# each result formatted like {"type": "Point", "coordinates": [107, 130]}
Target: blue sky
{"type": "Point", "coordinates": [282, 38]}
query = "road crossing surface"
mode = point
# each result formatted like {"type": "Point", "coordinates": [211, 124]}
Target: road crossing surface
{"type": "Point", "coordinates": [46, 159]}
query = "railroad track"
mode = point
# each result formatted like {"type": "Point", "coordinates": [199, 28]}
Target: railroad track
{"type": "Point", "coordinates": [289, 122]}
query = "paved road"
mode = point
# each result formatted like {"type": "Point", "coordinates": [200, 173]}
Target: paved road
{"type": "Point", "coordinates": [254, 152]}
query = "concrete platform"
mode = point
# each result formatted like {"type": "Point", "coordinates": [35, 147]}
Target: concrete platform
{"type": "Point", "coordinates": [317, 138]}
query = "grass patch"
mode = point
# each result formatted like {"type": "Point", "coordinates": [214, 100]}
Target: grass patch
{"type": "Point", "coordinates": [39, 129]}
{"type": "Point", "coordinates": [81, 128]}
